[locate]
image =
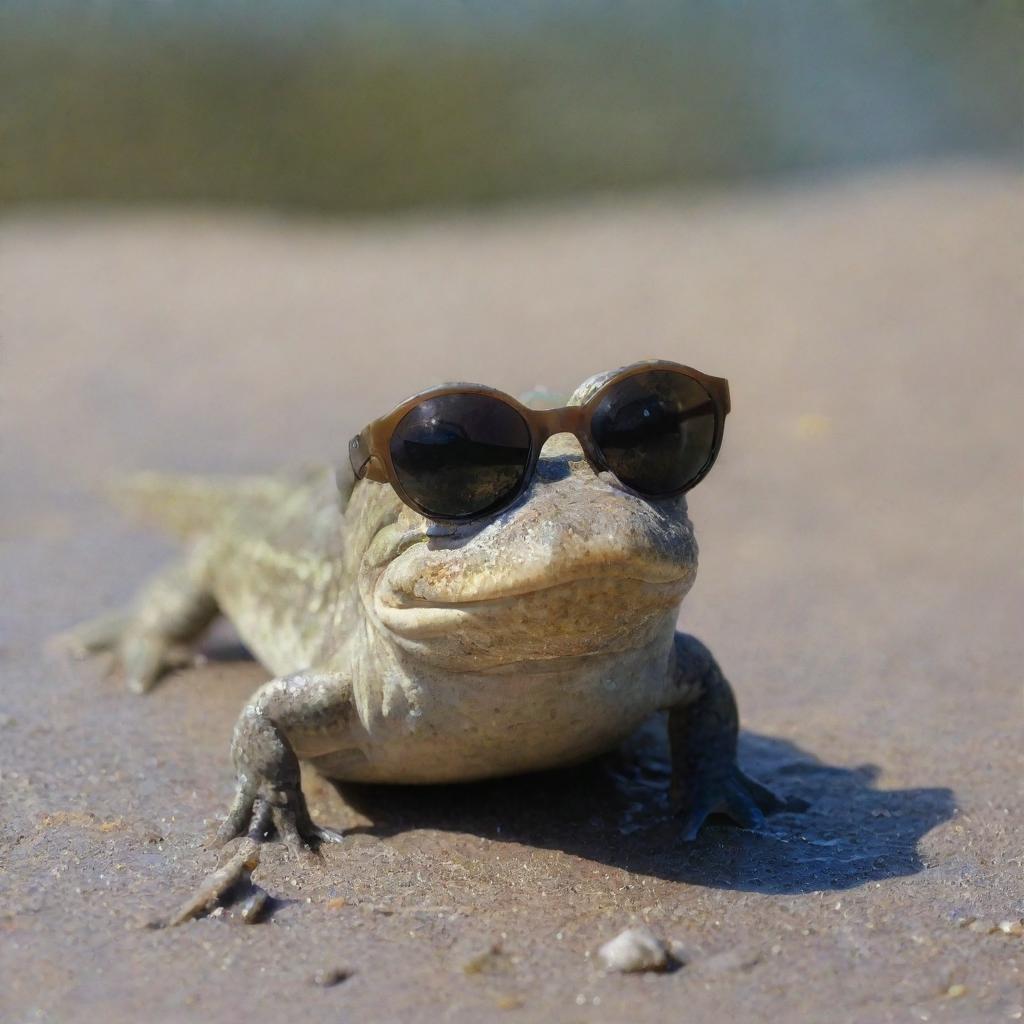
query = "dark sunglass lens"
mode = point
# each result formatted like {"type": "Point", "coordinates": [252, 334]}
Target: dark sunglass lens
{"type": "Point", "coordinates": [460, 455]}
{"type": "Point", "coordinates": [656, 431]}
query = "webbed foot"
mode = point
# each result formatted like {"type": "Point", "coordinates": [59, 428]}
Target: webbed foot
{"type": "Point", "coordinates": [733, 794]}
{"type": "Point", "coordinates": [262, 812]}
{"type": "Point", "coordinates": [143, 656]}
{"type": "Point", "coordinates": [703, 733]}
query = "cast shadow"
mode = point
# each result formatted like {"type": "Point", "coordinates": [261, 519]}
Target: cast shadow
{"type": "Point", "coordinates": [226, 651]}
{"type": "Point", "coordinates": [614, 811]}
{"type": "Point", "coordinates": [222, 645]}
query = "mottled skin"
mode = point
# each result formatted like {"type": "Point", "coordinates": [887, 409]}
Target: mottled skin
{"type": "Point", "coordinates": [409, 652]}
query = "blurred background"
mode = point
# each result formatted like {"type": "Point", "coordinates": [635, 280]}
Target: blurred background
{"type": "Point", "coordinates": [354, 107]}
{"type": "Point", "coordinates": [234, 231]}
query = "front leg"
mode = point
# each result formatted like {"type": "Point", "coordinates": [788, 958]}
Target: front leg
{"type": "Point", "coordinates": [302, 715]}
{"type": "Point", "coordinates": [703, 728]}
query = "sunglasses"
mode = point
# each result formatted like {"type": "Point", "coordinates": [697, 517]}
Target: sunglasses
{"type": "Point", "coordinates": [462, 451]}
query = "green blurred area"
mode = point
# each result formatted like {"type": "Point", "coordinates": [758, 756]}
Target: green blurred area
{"type": "Point", "coordinates": [355, 107]}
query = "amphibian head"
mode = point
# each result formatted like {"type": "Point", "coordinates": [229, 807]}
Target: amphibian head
{"type": "Point", "coordinates": [580, 565]}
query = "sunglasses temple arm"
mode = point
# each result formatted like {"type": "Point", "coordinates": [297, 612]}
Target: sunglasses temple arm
{"type": "Point", "coordinates": [359, 455]}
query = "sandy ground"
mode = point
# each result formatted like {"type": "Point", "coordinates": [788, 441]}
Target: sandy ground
{"type": "Point", "coordinates": [860, 582]}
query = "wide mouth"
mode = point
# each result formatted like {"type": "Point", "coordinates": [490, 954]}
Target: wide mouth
{"type": "Point", "coordinates": [584, 557]}
{"type": "Point", "coordinates": [530, 623]}
{"type": "Point", "coordinates": [507, 595]}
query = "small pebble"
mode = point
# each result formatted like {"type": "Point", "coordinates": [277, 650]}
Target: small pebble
{"type": "Point", "coordinates": [635, 949]}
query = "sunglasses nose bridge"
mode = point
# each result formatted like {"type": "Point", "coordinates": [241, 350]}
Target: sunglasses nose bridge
{"type": "Point", "coordinates": [548, 423]}
{"type": "Point", "coordinates": [569, 420]}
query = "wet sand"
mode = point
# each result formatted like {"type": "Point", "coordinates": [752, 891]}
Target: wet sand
{"type": "Point", "coordinates": [860, 584]}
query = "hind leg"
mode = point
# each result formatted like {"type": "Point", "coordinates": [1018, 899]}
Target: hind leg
{"type": "Point", "coordinates": [171, 612]}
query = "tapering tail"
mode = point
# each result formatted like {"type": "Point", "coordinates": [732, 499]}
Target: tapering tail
{"type": "Point", "coordinates": [184, 506]}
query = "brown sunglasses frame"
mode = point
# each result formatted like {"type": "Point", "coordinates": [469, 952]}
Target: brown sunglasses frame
{"type": "Point", "coordinates": [370, 450]}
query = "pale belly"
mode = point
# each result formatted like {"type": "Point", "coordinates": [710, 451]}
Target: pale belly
{"type": "Point", "coordinates": [453, 728]}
